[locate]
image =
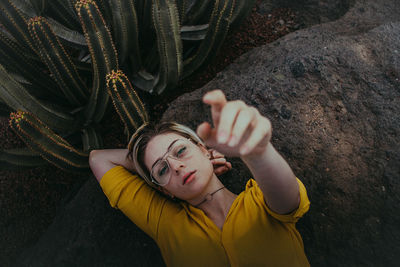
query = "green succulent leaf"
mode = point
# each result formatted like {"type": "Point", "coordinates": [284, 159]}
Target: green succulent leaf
{"type": "Point", "coordinates": [58, 62]}
{"type": "Point", "coordinates": [20, 158]}
{"type": "Point", "coordinates": [194, 33]}
{"type": "Point", "coordinates": [28, 8]}
{"type": "Point", "coordinates": [62, 11]}
{"type": "Point", "coordinates": [68, 36]}
{"type": "Point", "coordinates": [48, 144]}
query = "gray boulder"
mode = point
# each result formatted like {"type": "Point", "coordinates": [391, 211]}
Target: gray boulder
{"type": "Point", "coordinates": [332, 94]}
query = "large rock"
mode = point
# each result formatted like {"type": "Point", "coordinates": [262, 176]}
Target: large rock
{"type": "Point", "coordinates": [310, 12]}
{"type": "Point", "coordinates": [332, 94]}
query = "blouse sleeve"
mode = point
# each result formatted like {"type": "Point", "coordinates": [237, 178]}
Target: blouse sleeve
{"type": "Point", "coordinates": [137, 200]}
{"type": "Point", "coordinates": [292, 217]}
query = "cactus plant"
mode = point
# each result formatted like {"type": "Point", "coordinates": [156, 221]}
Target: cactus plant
{"type": "Point", "coordinates": [61, 62]}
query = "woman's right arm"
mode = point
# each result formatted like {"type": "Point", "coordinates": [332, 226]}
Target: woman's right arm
{"type": "Point", "coordinates": [101, 161]}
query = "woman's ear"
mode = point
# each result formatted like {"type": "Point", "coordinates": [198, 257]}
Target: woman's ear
{"type": "Point", "coordinates": [205, 150]}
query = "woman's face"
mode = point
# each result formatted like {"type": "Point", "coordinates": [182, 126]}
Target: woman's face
{"type": "Point", "coordinates": [189, 167]}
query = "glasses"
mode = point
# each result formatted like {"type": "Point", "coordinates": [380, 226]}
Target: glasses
{"type": "Point", "coordinates": [180, 149]}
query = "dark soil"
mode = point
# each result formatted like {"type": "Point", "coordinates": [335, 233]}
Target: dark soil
{"type": "Point", "coordinates": [29, 198]}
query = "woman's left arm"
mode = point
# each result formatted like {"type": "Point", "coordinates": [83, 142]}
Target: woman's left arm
{"type": "Point", "coordinates": [275, 179]}
{"type": "Point", "coordinates": [240, 130]}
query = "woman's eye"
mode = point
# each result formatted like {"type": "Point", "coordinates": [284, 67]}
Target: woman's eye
{"type": "Point", "coordinates": [181, 151]}
{"type": "Point", "coordinates": [163, 170]}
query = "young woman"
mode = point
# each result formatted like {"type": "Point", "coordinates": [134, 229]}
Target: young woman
{"type": "Point", "coordinates": [208, 225]}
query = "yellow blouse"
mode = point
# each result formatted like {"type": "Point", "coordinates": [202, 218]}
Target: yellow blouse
{"type": "Point", "coordinates": [252, 234]}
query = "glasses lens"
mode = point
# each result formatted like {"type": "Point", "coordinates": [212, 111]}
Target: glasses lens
{"type": "Point", "coordinates": [161, 171]}
{"type": "Point", "coordinates": [180, 150]}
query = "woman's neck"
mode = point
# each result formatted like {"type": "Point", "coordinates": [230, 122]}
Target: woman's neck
{"type": "Point", "coordinates": [215, 202]}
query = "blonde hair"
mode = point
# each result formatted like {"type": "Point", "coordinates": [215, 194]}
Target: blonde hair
{"type": "Point", "coordinates": [139, 140]}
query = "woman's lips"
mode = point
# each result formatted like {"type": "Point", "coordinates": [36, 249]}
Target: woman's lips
{"type": "Point", "coordinates": [188, 177]}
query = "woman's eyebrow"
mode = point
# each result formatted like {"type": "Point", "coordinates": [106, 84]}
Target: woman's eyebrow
{"type": "Point", "coordinates": [169, 147]}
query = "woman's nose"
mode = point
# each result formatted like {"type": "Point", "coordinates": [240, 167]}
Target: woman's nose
{"type": "Point", "coordinates": [175, 164]}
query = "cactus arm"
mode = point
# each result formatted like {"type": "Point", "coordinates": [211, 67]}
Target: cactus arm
{"type": "Point", "coordinates": [20, 158]}
{"type": "Point", "coordinates": [126, 101]}
{"type": "Point", "coordinates": [182, 5]}
{"type": "Point", "coordinates": [143, 12]}
{"type": "Point", "coordinates": [91, 139]}
{"type": "Point", "coordinates": [166, 24]}
{"type": "Point", "coordinates": [198, 12]}
{"type": "Point", "coordinates": [58, 61]}
{"type": "Point", "coordinates": [18, 98]}
{"type": "Point", "coordinates": [169, 51]}
{"type": "Point", "coordinates": [126, 32]}
{"type": "Point", "coordinates": [241, 11]}
{"type": "Point", "coordinates": [16, 24]}
{"type": "Point", "coordinates": [14, 58]}
{"type": "Point", "coordinates": [217, 30]}
{"type": "Point", "coordinates": [45, 142]}
{"type": "Point", "coordinates": [105, 9]}
{"type": "Point", "coordinates": [104, 56]}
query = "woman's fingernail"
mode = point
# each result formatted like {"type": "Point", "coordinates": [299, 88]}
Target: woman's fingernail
{"type": "Point", "coordinates": [222, 137]}
{"type": "Point", "coordinates": [244, 150]}
{"type": "Point", "coordinates": [206, 97]}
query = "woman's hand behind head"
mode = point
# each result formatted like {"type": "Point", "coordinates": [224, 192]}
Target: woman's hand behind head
{"type": "Point", "coordinates": [220, 164]}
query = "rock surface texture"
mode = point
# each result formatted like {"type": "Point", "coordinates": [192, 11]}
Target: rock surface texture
{"type": "Point", "coordinates": [332, 93]}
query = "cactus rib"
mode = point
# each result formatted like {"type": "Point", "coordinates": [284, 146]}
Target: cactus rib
{"type": "Point", "coordinates": [103, 55]}
{"type": "Point", "coordinates": [17, 97]}
{"type": "Point", "coordinates": [126, 31]}
{"type": "Point", "coordinates": [45, 142]}
{"type": "Point", "coordinates": [14, 58]}
{"type": "Point", "coordinates": [126, 101]}
{"type": "Point", "coordinates": [17, 158]}
{"type": "Point", "coordinates": [16, 24]}
{"type": "Point", "coordinates": [217, 30]}
{"type": "Point", "coordinates": [58, 61]}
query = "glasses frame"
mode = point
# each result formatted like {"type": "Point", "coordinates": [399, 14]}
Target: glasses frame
{"type": "Point", "coordinates": [164, 158]}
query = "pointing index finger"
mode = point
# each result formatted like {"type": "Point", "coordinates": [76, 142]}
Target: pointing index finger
{"type": "Point", "coordinates": [216, 99]}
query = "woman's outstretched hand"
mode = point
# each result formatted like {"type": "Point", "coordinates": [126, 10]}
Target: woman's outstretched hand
{"type": "Point", "coordinates": [239, 130]}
